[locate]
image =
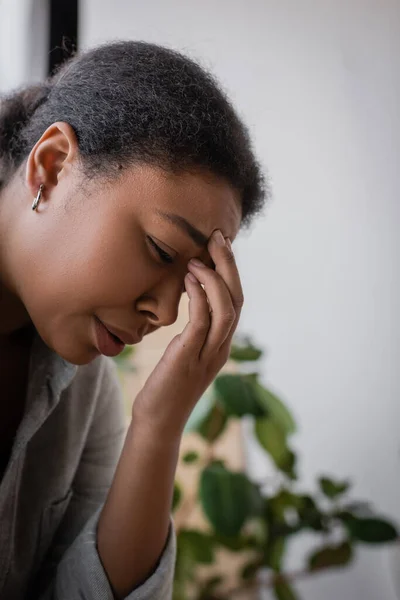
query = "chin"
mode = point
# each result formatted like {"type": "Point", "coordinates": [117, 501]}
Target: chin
{"type": "Point", "coordinates": [76, 354]}
{"type": "Point", "coordinates": [80, 359]}
{"type": "Point", "coordinates": [73, 351]}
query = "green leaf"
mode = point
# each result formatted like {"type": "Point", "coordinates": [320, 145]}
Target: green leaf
{"type": "Point", "coordinates": [358, 509]}
{"type": "Point", "coordinates": [284, 591]}
{"type": "Point", "coordinates": [190, 457]}
{"type": "Point", "coordinates": [273, 440]}
{"type": "Point", "coordinates": [310, 515]}
{"type": "Point", "coordinates": [289, 499]}
{"type": "Point", "coordinates": [333, 489]}
{"type": "Point", "coordinates": [226, 498]}
{"type": "Point", "coordinates": [235, 543]}
{"type": "Point", "coordinates": [184, 570]}
{"type": "Point", "coordinates": [179, 591]}
{"type": "Point", "coordinates": [288, 465]}
{"type": "Point", "coordinates": [275, 552]}
{"type": "Point", "coordinates": [275, 408]}
{"type": "Point", "coordinates": [177, 496]}
{"type": "Point", "coordinates": [213, 425]}
{"type": "Point", "coordinates": [199, 546]}
{"type": "Point", "coordinates": [370, 530]}
{"type": "Point", "coordinates": [256, 500]}
{"type": "Point", "coordinates": [245, 353]}
{"type": "Point", "coordinates": [238, 396]}
{"type": "Point", "coordinates": [281, 503]}
{"type": "Point", "coordinates": [331, 556]}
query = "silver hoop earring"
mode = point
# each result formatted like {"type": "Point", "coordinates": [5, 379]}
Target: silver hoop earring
{"type": "Point", "coordinates": [38, 197]}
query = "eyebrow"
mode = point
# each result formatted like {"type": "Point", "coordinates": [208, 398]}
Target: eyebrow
{"type": "Point", "coordinates": [195, 234]}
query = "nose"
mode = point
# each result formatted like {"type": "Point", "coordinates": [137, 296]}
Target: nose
{"type": "Point", "coordinates": [161, 305]}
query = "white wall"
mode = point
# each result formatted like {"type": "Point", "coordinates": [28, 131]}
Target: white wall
{"type": "Point", "coordinates": [319, 84]}
{"type": "Point", "coordinates": [320, 87]}
{"type": "Point", "coordinates": [23, 42]}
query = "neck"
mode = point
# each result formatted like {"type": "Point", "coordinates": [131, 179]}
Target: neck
{"type": "Point", "coordinates": [13, 314]}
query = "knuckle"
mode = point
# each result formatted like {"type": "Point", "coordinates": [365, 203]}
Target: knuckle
{"type": "Point", "coordinates": [229, 256]}
{"type": "Point", "coordinates": [239, 301]}
{"type": "Point", "coordinates": [202, 325]}
{"type": "Point", "coordinates": [228, 317]}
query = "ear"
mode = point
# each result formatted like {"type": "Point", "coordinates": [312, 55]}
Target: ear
{"type": "Point", "coordinates": [52, 157]}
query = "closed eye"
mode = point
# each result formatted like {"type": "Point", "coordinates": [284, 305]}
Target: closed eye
{"type": "Point", "coordinates": [165, 257]}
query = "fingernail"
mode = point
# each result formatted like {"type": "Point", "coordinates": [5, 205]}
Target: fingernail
{"type": "Point", "coordinates": [219, 238]}
{"type": "Point", "coordinates": [228, 243]}
{"type": "Point", "coordinates": [196, 262]}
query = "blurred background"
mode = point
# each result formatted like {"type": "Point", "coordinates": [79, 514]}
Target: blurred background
{"type": "Point", "coordinates": [318, 84]}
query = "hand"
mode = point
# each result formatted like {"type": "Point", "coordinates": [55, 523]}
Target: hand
{"type": "Point", "coordinates": [193, 359]}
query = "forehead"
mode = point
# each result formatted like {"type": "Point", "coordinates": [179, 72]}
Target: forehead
{"type": "Point", "coordinates": [206, 201]}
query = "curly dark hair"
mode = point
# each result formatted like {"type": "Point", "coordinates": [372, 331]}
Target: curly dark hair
{"type": "Point", "coordinates": [136, 102]}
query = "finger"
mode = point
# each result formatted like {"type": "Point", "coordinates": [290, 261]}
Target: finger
{"type": "Point", "coordinates": [225, 265]}
{"type": "Point", "coordinates": [221, 252]}
{"type": "Point", "coordinates": [197, 328]}
{"type": "Point", "coordinates": [222, 312]}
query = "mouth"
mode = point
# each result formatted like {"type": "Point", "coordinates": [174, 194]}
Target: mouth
{"type": "Point", "coordinates": [107, 343]}
{"type": "Point", "coordinates": [110, 340]}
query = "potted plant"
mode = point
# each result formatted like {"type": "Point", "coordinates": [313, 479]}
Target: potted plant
{"type": "Point", "coordinates": [256, 520]}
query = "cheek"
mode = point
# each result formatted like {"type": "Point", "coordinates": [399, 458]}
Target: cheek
{"type": "Point", "coordinates": [96, 265]}
{"type": "Point", "coordinates": [115, 271]}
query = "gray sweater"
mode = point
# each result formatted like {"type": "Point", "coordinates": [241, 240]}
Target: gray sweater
{"type": "Point", "coordinates": [61, 467]}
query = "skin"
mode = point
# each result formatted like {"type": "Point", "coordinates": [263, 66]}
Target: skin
{"type": "Point", "coordinates": [58, 271]}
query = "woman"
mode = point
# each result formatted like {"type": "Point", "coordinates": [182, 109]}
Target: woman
{"type": "Point", "coordinates": [139, 174]}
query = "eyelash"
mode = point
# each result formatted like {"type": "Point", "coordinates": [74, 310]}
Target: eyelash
{"type": "Point", "coordinates": [165, 257]}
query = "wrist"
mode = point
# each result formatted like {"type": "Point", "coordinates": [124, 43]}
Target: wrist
{"type": "Point", "coordinates": [156, 426]}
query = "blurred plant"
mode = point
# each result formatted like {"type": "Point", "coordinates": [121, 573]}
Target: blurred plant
{"type": "Point", "coordinates": [256, 518]}
{"type": "Point", "coordinates": [124, 360]}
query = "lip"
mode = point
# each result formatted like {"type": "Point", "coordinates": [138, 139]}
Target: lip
{"type": "Point", "coordinates": [126, 338]}
{"type": "Point", "coordinates": [106, 343]}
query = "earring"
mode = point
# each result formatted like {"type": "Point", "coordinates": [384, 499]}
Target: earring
{"type": "Point", "coordinates": [38, 197]}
